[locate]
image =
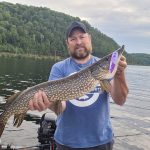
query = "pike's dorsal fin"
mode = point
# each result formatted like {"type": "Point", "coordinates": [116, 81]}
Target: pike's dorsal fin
{"type": "Point", "coordinates": [105, 85]}
{"type": "Point", "coordinates": [11, 99]}
{"type": "Point", "coordinates": [18, 119]}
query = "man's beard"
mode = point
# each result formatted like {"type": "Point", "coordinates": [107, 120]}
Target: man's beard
{"type": "Point", "coordinates": [80, 56]}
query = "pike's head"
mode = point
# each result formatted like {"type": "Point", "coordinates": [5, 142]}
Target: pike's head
{"type": "Point", "coordinates": [113, 60]}
{"type": "Point", "coordinates": [106, 67]}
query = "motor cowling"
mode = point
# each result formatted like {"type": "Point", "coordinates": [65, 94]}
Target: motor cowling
{"type": "Point", "coordinates": [47, 129]}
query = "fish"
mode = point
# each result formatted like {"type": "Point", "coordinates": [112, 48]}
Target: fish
{"type": "Point", "coordinates": [67, 88]}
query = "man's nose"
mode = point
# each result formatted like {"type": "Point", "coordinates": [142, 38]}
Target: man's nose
{"type": "Point", "coordinates": [78, 41]}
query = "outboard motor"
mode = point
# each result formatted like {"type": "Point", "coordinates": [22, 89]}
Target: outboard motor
{"type": "Point", "coordinates": [46, 131]}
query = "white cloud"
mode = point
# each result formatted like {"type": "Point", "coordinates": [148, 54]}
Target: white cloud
{"type": "Point", "coordinates": [126, 21]}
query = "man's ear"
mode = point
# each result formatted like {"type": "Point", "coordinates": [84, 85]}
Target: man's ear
{"type": "Point", "coordinates": [90, 36]}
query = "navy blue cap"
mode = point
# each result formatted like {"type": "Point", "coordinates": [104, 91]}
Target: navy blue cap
{"type": "Point", "coordinates": [74, 25]}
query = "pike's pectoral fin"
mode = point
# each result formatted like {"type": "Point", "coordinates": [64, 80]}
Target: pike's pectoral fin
{"type": "Point", "coordinates": [18, 119]}
{"type": "Point", "coordinates": [11, 99]}
{"type": "Point", "coordinates": [57, 107]}
{"type": "Point", "coordinates": [105, 85]}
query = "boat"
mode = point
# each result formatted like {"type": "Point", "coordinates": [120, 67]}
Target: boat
{"type": "Point", "coordinates": [45, 135]}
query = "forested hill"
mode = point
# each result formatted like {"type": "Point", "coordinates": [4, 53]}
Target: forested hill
{"type": "Point", "coordinates": [138, 59]}
{"type": "Point", "coordinates": [41, 31]}
{"type": "Point", "coordinates": [37, 30]}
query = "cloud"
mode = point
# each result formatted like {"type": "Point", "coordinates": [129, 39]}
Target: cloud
{"type": "Point", "coordinates": [123, 20]}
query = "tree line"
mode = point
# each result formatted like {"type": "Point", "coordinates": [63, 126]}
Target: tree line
{"type": "Point", "coordinates": [37, 30]}
{"type": "Point", "coordinates": [138, 59]}
{"type": "Point", "coordinates": [41, 31]}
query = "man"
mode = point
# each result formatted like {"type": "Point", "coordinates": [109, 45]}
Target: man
{"type": "Point", "coordinates": [84, 123]}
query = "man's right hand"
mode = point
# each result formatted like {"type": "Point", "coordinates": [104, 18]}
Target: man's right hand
{"type": "Point", "coordinates": [40, 102]}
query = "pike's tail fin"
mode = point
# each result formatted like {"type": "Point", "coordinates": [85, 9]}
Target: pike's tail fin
{"type": "Point", "coordinates": [2, 124]}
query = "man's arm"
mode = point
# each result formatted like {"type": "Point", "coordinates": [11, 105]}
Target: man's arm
{"type": "Point", "coordinates": [119, 88]}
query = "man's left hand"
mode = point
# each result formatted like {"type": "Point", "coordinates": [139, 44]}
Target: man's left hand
{"type": "Point", "coordinates": [121, 66]}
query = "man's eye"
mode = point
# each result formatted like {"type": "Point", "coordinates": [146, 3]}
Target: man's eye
{"type": "Point", "coordinates": [82, 37]}
{"type": "Point", "coordinates": [72, 39]}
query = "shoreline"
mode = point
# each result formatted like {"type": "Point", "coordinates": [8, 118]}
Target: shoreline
{"type": "Point", "coordinates": [43, 57]}
{"type": "Point", "coordinates": [33, 56]}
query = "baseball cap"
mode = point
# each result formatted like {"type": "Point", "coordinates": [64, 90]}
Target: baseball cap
{"type": "Point", "coordinates": [73, 25]}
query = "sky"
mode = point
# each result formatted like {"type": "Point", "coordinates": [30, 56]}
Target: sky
{"type": "Point", "coordinates": [125, 21]}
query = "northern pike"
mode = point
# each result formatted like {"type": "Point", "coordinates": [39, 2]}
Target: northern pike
{"type": "Point", "coordinates": [68, 88]}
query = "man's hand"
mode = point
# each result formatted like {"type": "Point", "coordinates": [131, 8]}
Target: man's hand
{"type": "Point", "coordinates": [40, 102]}
{"type": "Point", "coordinates": [121, 66]}
{"type": "Point", "coordinates": [119, 88]}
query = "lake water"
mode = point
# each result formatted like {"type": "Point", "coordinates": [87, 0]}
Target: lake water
{"type": "Point", "coordinates": [130, 122]}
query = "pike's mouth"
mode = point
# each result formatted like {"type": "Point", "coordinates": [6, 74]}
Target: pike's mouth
{"type": "Point", "coordinates": [113, 61]}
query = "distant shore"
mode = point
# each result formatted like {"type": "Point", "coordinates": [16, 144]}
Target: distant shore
{"type": "Point", "coordinates": [33, 56]}
{"type": "Point", "coordinates": [50, 57]}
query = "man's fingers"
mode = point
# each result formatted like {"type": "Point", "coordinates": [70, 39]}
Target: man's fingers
{"type": "Point", "coordinates": [45, 99]}
{"type": "Point", "coordinates": [31, 105]}
{"type": "Point", "coordinates": [123, 58]}
{"type": "Point", "coordinates": [36, 101]}
{"type": "Point", "coordinates": [40, 101]}
{"type": "Point", "coordinates": [122, 63]}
